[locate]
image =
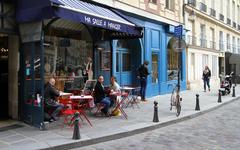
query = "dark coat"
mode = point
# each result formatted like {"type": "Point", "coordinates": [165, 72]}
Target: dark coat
{"type": "Point", "coordinates": [207, 75]}
{"type": "Point", "coordinates": [143, 71]}
{"type": "Point", "coordinates": [50, 93]}
{"type": "Point", "coordinates": [99, 92]}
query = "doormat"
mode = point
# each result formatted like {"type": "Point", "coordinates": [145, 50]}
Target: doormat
{"type": "Point", "coordinates": [14, 126]}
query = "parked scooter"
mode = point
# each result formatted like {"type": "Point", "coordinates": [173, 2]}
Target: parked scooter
{"type": "Point", "coordinates": [226, 84]}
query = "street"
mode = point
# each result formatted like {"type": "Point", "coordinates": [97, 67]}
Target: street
{"type": "Point", "coordinates": [216, 130]}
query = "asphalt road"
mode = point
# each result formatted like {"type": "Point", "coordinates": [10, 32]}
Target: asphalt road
{"type": "Point", "coordinates": [216, 130]}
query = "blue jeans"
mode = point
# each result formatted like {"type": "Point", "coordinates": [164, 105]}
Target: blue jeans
{"type": "Point", "coordinates": [206, 82]}
{"type": "Point", "coordinates": [107, 102]}
{"type": "Point", "coordinates": [143, 82]}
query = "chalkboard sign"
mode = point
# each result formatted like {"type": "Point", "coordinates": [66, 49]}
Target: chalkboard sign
{"type": "Point", "coordinates": [105, 60]}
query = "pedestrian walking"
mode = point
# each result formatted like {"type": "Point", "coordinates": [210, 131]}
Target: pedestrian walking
{"type": "Point", "coordinates": [206, 78]}
{"type": "Point", "coordinates": [142, 75]}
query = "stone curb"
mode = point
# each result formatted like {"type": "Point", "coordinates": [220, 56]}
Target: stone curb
{"type": "Point", "coordinates": [82, 143]}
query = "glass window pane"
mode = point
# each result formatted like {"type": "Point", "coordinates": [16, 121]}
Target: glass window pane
{"type": "Point", "coordinates": [204, 61]}
{"type": "Point", "coordinates": [68, 60]}
{"type": "Point", "coordinates": [172, 58]}
{"type": "Point", "coordinates": [154, 68]}
{"type": "Point", "coordinates": [214, 64]}
{"type": "Point", "coordinates": [126, 60]}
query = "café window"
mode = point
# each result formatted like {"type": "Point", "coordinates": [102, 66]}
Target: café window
{"type": "Point", "coordinates": [67, 60]}
{"type": "Point", "coordinates": [126, 59]}
{"type": "Point", "coordinates": [172, 63]}
{"type": "Point", "coordinates": [154, 68]}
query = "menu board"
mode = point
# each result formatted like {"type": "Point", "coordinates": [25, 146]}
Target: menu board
{"type": "Point", "coordinates": [105, 60]}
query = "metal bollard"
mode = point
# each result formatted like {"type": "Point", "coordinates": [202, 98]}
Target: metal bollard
{"type": "Point", "coordinates": [155, 115]}
{"type": "Point", "coordinates": [233, 93]}
{"type": "Point", "coordinates": [76, 131]}
{"type": "Point", "coordinates": [197, 102]}
{"type": "Point", "coordinates": [219, 96]}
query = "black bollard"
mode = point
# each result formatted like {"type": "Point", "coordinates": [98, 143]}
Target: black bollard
{"type": "Point", "coordinates": [76, 131]}
{"type": "Point", "coordinates": [233, 93]}
{"type": "Point", "coordinates": [219, 96]}
{"type": "Point", "coordinates": [197, 102]}
{"type": "Point", "coordinates": [155, 115]}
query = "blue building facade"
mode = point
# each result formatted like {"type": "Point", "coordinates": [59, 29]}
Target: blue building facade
{"type": "Point", "coordinates": [163, 63]}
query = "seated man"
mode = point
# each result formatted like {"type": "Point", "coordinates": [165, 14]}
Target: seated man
{"type": "Point", "coordinates": [100, 97]}
{"type": "Point", "coordinates": [50, 101]}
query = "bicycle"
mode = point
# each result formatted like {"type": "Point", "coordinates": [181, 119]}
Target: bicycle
{"type": "Point", "coordinates": [176, 100]}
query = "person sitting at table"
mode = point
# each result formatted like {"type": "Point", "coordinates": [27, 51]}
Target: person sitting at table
{"type": "Point", "coordinates": [115, 88]}
{"type": "Point", "coordinates": [51, 106]}
{"type": "Point", "coordinates": [100, 96]}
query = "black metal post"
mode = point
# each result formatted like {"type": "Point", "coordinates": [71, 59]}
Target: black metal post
{"type": "Point", "coordinates": [155, 115]}
{"type": "Point", "coordinates": [219, 96]}
{"type": "Point", "coordinates": [197, 102]}
{"type": "Point", "coordinates": [233, 93]}
{"type": "Point", "coordinates": [76, 131]}
{"type": "Point", "coordinates": [235, 80]}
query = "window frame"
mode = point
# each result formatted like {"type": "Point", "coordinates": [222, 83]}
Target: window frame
{"type": "Point", "coordinates": [124, 62]}
{"type": "Point", "coordinates": [153, 1]}
{"type": "Point", "coordinates": [170, 5]}
{"type": "Point", "coordinates": [169, 36]}
{"type": "Point", "coordinates": [154, 52]}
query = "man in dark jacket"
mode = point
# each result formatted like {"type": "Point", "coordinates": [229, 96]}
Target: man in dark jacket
{"type": "Point", "coordinates": [51, 104]}
{"type": "Point", "coordinates": [142, 75]}
{"type": "Point", "coordinates": [100, 97]}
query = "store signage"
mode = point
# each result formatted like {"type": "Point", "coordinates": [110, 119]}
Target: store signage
{"type": "Point", "coordinates": [178, 31]}
{"type": "Point", "coordinates": [102, 23]}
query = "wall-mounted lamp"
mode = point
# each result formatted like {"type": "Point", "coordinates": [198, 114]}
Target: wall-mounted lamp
{"type": "Point", "coordinates": [192, 15]}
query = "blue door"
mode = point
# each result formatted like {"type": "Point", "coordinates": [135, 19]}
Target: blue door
{"type": "Point", "coordinates": [123, 67]}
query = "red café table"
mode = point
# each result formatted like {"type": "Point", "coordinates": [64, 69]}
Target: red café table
{"type": "Point", "coordinates": [83, 98]}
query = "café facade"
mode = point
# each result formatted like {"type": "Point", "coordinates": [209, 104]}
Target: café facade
{"type": "Point", "coordinates": [156, 48]}
{"type": "Point", "coordinates": [59, 37]}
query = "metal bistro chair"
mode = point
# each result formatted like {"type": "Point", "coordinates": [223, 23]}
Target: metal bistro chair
{"type": "Point", "coordinates": [133, 97]}
{"type": "Point", "coordinates": [73, 107]}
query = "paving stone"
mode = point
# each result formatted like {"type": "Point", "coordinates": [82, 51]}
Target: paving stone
{"type": "Point", "coordinates": [14, 138]}
{"type": "Point", "coordinates": [216, 130]}
{"type": "Point", "coordinates": [141, 118]}
{"type": "Point", "coordinates": [3, 145]}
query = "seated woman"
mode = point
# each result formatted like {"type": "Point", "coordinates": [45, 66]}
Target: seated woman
{"type": "Point", "coordinates": [100, 96]}
{"type": "Point", "coordinates": [114, 87]}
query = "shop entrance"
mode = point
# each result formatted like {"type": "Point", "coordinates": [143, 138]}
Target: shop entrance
{"type": "Point", "coordinates": [4, 77]}
{"type": "Point", "coordinates": [128, 59]}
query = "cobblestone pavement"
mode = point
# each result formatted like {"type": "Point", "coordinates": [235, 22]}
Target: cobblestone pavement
{"type": "Point", "coordinates": [216, 130]}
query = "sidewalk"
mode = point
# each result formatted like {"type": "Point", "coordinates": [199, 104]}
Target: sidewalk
{"type": "Point", "coordinates": [104, 129]}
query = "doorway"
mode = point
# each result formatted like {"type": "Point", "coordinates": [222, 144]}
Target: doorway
{"type": "Point", "coordinates": [4, 77]}
{"type": "Point", "coordinates": [123, 66]}
{"type": "Point", "coordinates": [128, 59]}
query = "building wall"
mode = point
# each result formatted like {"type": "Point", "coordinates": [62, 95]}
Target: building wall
{"type": "Point", "coordinates": [214, 46]}
{"type": "Point", "coordinates": [13, 68]}
{"type": "Point", "coordinates": [155, 18]}
{"type": "Point", "coordinates": [158, 8]}
{"type": "Point", "coordinates": [202, 17]}
{"type": "Point", "coordinates": [8, 27]}
{"type": "Point", "coordinates": [146, 8]}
